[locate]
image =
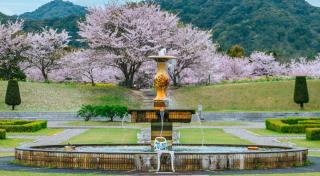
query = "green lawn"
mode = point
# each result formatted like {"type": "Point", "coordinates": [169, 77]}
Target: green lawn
{"type": "Point", "coordinates": [261, 96]}
{"type": "Point", "coordinates": [106, 136]}
{"type": "Point", "coordinates": [43, 132]}
{"type": "Point", "coordinates": [317, 154]}
{"type": "Point", "coordinates": [12, 142]}
{"type": "Point", "coordinates": [43, 97]}
{"type": "Point", "coordinates": [266, 132]}
{"type": "Point", "coordinates": [303, 143]}
{"type": "Point", "coordinates": [99, 123]}
{"type": "Point", "coordinates": [210, 124]}
{"type": "Point", "coordinates": [5, 154]}
{"type": "Point", "coordinates": [211, 136]}
{"type": "Point", "coordinates": [145, 125]}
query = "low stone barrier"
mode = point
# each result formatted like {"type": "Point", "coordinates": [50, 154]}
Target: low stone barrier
{"type": "Point", "coordinates": [147, 161]}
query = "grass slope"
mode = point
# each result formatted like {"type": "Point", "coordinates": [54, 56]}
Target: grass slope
{"type": "Point", "coordinates": [43, 97]}
{"type": "Point", "coordinates": [260, 96]}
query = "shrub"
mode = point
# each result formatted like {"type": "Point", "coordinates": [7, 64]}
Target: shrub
{"type": "Point", "coordinates": [291, 125]}
{"type": "Point", "coordinates": [13, 94]}
{"type": "Point", "coordinates": [23, 125]}
{"type": "Point", "coordinates": [87, 112]}
{"type": "Point", "coordinates": [2, 134]}
{"type": "Point", "coordinates": [112, 111]}
{"type": "Point", "coordinates": [313, 133]}
{"type": "Point", "coordinates": [301, 95]}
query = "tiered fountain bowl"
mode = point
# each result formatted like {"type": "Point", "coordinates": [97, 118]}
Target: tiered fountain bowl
{"type": "Point", "coordinates": [143, 158]}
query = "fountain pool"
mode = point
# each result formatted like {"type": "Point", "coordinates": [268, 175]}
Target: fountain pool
{"type": "Point", "coordinates": [142, 158]}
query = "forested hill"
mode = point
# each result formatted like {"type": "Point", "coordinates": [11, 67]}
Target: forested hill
{"type": "Point", "coordinates": [55, 9]}
{"type": "Point", "coordinates": [290, 28]}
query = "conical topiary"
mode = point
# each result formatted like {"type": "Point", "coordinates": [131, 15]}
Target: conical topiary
{"type": "Point", "coordinates": [13, 94]}
{"type": "Point", "coordinates": [301, 94]}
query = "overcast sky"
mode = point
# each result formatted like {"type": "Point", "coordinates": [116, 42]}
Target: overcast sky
{"type": "Point", "coordinates": [13, 7]}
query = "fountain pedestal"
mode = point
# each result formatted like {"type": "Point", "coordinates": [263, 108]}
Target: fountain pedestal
{"type": "Point", "coordinates": [161, 126]}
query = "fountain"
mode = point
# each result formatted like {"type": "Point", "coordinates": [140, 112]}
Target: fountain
{"type": "Point", "coordinates": [161, 154]}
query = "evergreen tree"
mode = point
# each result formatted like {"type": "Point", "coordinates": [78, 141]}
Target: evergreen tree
{"type": "Point", "coordinates": [236, 51]}
{"type": "Point", "coordinates": [13, 94]}
{"type": "Point", "coordinates": [301, 94]}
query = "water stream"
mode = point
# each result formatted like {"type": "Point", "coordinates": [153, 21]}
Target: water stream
{"type": "Point", "coordinates": [162, 116]}
{"type": "Point", "coordinates": [201, 128]}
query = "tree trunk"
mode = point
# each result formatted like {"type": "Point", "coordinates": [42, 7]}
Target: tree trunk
{"type": "Point", "coordinates": [93, 83]}
{"type": "Point", "coordinates": [13, 107]}
{"type": "Point", "coordinates": [301, 106]}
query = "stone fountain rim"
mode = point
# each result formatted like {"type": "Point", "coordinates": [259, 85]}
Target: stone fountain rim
{"type": "Point", "coordinates": [285, 149]}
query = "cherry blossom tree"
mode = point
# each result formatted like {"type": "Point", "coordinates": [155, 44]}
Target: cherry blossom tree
{"type": "Point", "coordinates": [225, 67]}
{"type": "Point", "coordinates": [192, 47]}
{"type": "Point", "coordinates": [46, 48]}
{"type": "Point", "coordinates": [83, 66]}
{"type": "Point", "coordinates": [303, 67]}
{"type": "Point", "coordinates": [12, 44]}
{"type": "Point", "coordinates": [132, 32]}
{"type": "Point", "coordinates": [265, 65]}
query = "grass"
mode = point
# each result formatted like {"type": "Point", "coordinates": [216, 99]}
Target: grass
{"type": "Point", "coordinates": [211, 136]}
{"type": "Point", "coordinates": [12, 142]}
{"type": "Point", "coordinates": [266, 132]}
{"type": "Point", "coordinates": [316, 154]}
{"type": "Point", "coordinates": [43, 132]}
{"type": "Point", "coordinates": [5, 154]}
{"type": "Point", "coordinates": [145, 125]}
{"type": "Point", "coordinates": [60, 97]}
{"type": "Point", "coordinates": [303, 143]}
{"type": "Point", "coordinates": [210, 124]}
{"type": "Point", "coordinates": [101, 123]}
{"type": "Point", "coordinates": [261, 96]}
{"type": "Point", "coordinates": [106, 136]}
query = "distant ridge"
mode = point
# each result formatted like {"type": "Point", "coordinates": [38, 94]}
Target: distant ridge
{"type": "Point", "coordinates": [55, 9]}
{"type": "Point", "coordinates": [289, 28]}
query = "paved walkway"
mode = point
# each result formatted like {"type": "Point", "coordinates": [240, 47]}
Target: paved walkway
{"type": "Point", "coordinates": [57, 138]}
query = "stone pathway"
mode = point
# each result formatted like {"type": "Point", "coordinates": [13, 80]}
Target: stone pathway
{"type": "Point", "coordinates": [57, 138]}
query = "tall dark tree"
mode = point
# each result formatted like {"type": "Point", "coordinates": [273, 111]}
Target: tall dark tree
{"type": "Point", "coordinates": [301, 95]}
{"type": "Point", "coordinates": [13, 94]}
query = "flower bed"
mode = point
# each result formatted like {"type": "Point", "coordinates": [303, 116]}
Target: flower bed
{"type": "Point", "coordinates": [22, 125]}
{"type": "Point", "coordinates": [292, 125]}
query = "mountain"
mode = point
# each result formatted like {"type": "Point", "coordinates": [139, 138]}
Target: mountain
{"type": "Point", "coordinates": [55, 9]}
{"type": "Point", "coordinates": [3, 17]}
{"type": "Point", "coordinates": [289, 28]}
{"type": "Point", "coordinates": [57, 14]}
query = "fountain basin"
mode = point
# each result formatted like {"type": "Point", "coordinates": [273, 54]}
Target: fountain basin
{"type": "Point", "coordinates": [141, 158]}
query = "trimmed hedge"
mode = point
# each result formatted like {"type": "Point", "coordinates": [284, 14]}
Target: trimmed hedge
{"type": "Point", "coordinates": [313, 134]}
{"type": "Point", "coordinates": [292, 125]}
{"type": "Point", "coordinates": [2, 134]}
{"type": "Point", "coordinates": [22, 125]}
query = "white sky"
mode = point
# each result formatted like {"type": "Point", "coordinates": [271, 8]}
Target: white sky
{"type": "Point", "coordinates": [14, 7]}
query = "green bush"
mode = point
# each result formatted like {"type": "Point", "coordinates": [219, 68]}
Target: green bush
{"type": "Point", "coordinates": [23, 125]}
{"type": "Point", "coordinates": [301, 95]}
{"type": "Point", "coordinates": [313, 133]}
{"type": "Point", "coordinates": [291, 125]}
{"type": "Point", "coordinates": [107, 111]}
{"type": "Point", "coordinates": [87, 112]}
{"type": "Point", "coordinates": [13, 94]}
{"type": "Point", "coordinates": [2, 134]}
